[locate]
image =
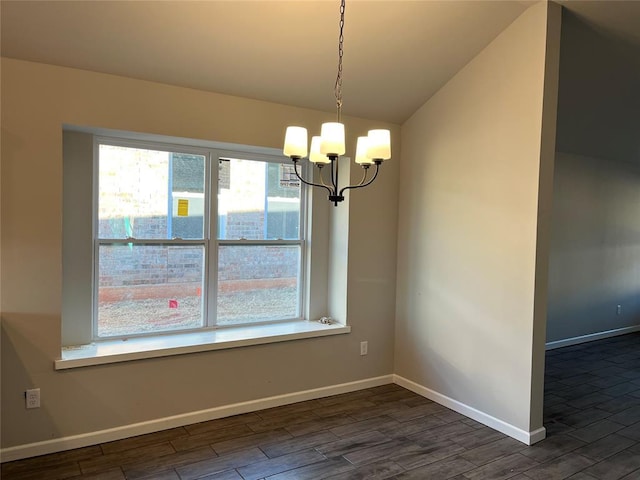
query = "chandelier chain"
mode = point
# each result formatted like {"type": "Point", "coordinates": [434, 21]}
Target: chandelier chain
{"type": "Point", "coordinates": [338, 85]}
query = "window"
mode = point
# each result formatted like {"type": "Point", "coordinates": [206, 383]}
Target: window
{"type": "Point", "coordinates": [259, 243]}
{"type": "Point", "coordinates": [173, 246]}
{"type": "Point", "coordinates": [171, 256]}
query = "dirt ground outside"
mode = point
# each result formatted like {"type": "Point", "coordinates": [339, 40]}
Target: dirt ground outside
{"type": "Point", "coordinates": [162, 312]}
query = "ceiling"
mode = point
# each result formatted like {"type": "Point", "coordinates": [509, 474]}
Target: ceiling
{"type": "Point", "coordinates": [396, 53]}
{"type": "Point", "coordinates": [617, 18]}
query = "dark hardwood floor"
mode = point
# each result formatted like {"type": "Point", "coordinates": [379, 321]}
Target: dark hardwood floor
{"type": "Point", "coordinates": [592, 415]}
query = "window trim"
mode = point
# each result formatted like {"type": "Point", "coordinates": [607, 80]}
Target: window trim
{"type": "Point", "coordinates": [324, 256]}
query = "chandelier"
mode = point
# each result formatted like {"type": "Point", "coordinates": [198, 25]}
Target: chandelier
{"type": "Point", "coordinates": [330, 144]}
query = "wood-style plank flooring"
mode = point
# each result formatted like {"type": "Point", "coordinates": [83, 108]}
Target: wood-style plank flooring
{"type": "Point", "coordinates": [592, 415]}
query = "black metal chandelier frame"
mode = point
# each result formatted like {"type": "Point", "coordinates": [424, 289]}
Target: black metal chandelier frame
{"type": "Point", "coordinates": [336, 195]}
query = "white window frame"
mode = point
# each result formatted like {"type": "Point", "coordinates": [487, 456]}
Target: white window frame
{"type": "Point", "coordinates": [211, 243]}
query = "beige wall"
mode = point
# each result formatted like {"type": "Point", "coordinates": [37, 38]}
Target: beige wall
{"type": "Point", "coordinates": [36, 101]}
{"type": "Point", "coordinates": [595, 247]}
{"type": "Point", "coordinates": [468, 227]}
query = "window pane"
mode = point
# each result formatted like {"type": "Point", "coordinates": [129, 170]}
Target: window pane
{"type": "Point", "coordinates": [258, 283]}
{"type": "Point", "coordinates": [149, 288]}
{"type": "Point", "coordinates": [257, 201]}
{"type": "Point", "coordinates": [150, 194]}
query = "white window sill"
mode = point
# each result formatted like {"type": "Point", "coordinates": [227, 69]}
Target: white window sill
{"type": "Point", "coordinates": [114, 351]}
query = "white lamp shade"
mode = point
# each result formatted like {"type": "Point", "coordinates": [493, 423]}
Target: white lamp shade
{"type": "Point", "coordinates": [379, 145]}
{"type": "Point", "coordinates": [295, 142]}
{"type": "Point", "coordinates": [314, 155]}
{"type": "Point", "coordinates": [332, 142]}
{"type": "Point", "coordinates": [361, 151]}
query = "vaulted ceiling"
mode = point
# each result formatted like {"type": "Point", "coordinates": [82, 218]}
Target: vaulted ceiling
{"type": "Point", "coordinates": [397, 53]}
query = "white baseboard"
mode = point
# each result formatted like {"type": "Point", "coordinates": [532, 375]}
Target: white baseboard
{"type": "Point", "coordinates": [93, 438]}
{"type": "Point", "coordinates": [528, 438]}
{"type": "Point", "coordinates": [567, 342]}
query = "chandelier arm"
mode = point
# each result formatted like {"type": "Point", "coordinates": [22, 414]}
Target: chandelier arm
{"type": "Point", "coordinates": [295, 169]}
{"type": "Point", "coordinates": [322, 183]}
{"type": "Point", "coordinates": [364, 177]}
{"type": "Point", "coordinates": [362, 184]}
{"type": "Point", "coordinates": [322, 180]}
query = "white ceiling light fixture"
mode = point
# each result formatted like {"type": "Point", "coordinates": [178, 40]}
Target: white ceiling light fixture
{"type": "Point", "coordinates": [326, 148]}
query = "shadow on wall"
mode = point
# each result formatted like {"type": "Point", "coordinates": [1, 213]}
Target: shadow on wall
{"type": "Point", "coordinates": [586, 315]}
{"type": "Point", "coordinates": [25, 364]}
{"type": "Point", "coordinates": [469, 380]}
{"type": "Point", "coordinates": [71, 400]}
{"type": "Point", "coordinates": [595, 247]}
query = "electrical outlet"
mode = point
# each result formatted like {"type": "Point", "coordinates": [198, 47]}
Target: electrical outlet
{"type": "Point", "coordinates": [32, 398]}
{"type": "Point", "coordinates": [364, 348]}
{"type": "Point", "coordinates": [619, 310]}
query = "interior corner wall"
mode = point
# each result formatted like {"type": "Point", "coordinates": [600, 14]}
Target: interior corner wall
{"type": "Point", "coordinates": [37, 100]}
{"type": "Point", "coordinates": [467, 230]}
{"type": "Point", "coordinates": [595, 239]}
{"type": "Point", "coordinates": [598, 101]}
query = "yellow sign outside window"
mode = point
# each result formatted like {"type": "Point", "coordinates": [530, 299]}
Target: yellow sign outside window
{"type": "Point", "coordinates": [183, 208]}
